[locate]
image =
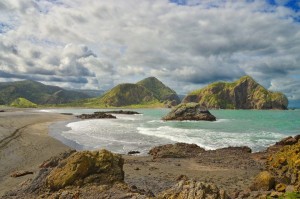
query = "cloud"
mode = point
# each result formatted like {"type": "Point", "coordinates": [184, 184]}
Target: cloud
{"type": "Point", "coordinates": [186, 44]}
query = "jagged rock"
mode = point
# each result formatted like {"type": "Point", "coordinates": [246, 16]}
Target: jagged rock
{"type": "Point", "coordinates": [53, 161]}
{"type": "Point", "coordinates": [235, 149]}
{"type": "Point", "coordinates": [285, 165]}
{"type": "Point", "coordinates": [244, 93]}
{"type": "Point", "coordinates": [189, 111]}
{"type": "Point", "coordinates": [264, 181]}
{"type": "Point", "coordinates": [178, 150]}
{"type": "Point", "coordinates": [102, 167]}
{"type": "Point", "coordinates": [288, 140]}
{"type": "Point", "coordinates": [97, 115]}
{"type": "Point", "coordinates": [193, 190]}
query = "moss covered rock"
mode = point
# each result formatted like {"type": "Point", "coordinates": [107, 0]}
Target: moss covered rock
{"type": "Point", "coordinates": [189, 111]}
{"type": "Point", "coordinates": [23, 103]}
{"type": "Point", "coordinates": [244, 93]}
{"type": "Point", "coordinates": [263, 181]}
{"type": "Point", "coordinates": [102, 167]}
{"type": "Point", "coordinates": [285, 165]}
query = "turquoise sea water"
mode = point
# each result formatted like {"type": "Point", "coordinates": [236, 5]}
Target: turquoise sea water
{"type": "Point", "coordinates": [254, 128]}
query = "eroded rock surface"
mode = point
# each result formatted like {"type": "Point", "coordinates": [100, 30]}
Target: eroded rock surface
{"type": "Point", "coordinates": [101, 167]}
{"type": "Point", "coordinates": [189, 111]}
{"type": "Point", "coordinates": [190, 189]}
{"type": "Point", "coordinates": [177, 150]}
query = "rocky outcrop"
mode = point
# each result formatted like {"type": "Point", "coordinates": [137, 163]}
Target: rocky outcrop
{"type": "Point", "coordinates": [288, 140]}
{"type": "Point", "coordinates": [119, 112]}
{"type": "Point", "coordinates": [188, 189]}
{"type": "Point", "coordinates": [54, 161]}
{"type": "Point", "coordinates": [189, 111]}
{"type": "Point", "coordinates": [102, 167]}
{"type": "Point", "coordinates": [285, 164]}
{"type": "Point", "coordinates": [264, 181]}
{"type": "Point", "coordinates": [96, 115]}
{"type": "Point", "coordinates": [178, 150]}
{"type": "Point", "coordinates": [244, 93]}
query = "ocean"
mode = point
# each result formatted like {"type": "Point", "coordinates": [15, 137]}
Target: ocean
{"type": "Point", "coordinates": [257, 129]}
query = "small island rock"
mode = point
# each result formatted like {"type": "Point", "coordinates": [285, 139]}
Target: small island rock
{"type": "Point", "coordinates": [189, 111]}
{"type": "Point", "coordinates": [96, 115]}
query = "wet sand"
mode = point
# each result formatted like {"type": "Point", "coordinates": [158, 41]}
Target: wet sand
{"type": "Point", "coordinates": [25, 144]}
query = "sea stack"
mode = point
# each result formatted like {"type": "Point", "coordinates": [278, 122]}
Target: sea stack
{"type": "Point", "coordinates": [189, 111]}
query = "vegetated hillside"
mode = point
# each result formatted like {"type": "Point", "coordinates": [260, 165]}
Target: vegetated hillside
{"type": "Point", "coordinates": [23, 103]}
{"type": "Point", "coordinates": [149, 92]}
{"type": "Point", "coordinates": [124, 95]}
{"type": "Point", "coordinates": [160, 91]}
{"type": "Point", "coordinates": [244, 93]}
{"type": "Point", "coordinates": [36, 92]}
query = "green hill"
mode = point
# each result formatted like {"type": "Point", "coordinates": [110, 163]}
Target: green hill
{"type": "Point", "coordinates": [244, 93]}
{"type": "Point", "coordinates": [37, 93]}
{"type": "Point", "coordinates": [23, 103]}
{"type": "Point", "coordinates": [159, 90]}
{"type": "Point", "coordinates": [149, 92]}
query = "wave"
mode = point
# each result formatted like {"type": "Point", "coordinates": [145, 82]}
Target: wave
{"type": "Point", "coordinates": [210, 139]}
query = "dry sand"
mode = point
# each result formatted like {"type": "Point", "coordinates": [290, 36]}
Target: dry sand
{"type": "Point", "coordinates": [25, 143]}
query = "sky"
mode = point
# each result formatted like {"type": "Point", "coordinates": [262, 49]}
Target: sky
{"type": "Point", "coordinates": [187, 44]}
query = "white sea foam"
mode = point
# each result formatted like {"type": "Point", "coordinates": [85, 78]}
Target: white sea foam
{"type": "Point", "coordinates": [142, 132]}
{"type": "Point", "coordinates": [222, 120]}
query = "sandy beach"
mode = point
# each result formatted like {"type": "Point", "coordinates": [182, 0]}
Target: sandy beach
{"type": "Point", "coordinates": [25, 143]}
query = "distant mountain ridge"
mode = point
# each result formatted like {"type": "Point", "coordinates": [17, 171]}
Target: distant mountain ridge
{"type": "Point", "coordinates": [244, 93]}
{"type": "Point", "coordinates": [37, 93]}
{"type": "Point", "coordinates": [149, 91]}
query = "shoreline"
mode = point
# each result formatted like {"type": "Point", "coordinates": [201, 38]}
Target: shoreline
{"type": "Point", "coordinates": [233, 170]}
{"type": "Point", "coordinates": [25, 144]}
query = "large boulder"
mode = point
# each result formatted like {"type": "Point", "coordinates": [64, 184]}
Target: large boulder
{"type": "Point", "coordinates": [188, 189]}
{"type": "Point", "coordinates": [263, 181]}
{"type": "Point", "coordinates": [189, 111]}
{"type": "Point", "coordinates": [101, 167]}
{"type": "Point", "coordinates": [178, 150]}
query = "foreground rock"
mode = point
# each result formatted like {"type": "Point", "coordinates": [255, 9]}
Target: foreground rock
{"type": "Point", "coordinates": [189, 111]}
{"type": "Point", "coordinates": [178, 150]}
{"type": "Point", "coordinates": [263, 181]}
{"type": "Point", "coordinates": [86, 174]}
{"type": "Point", "coordinates": [285, 164]}
{"type": "Point", "coordinates": [188, 189]}
{"type": "Point", "coordinates": [100, 167]}
{"type": "Point", "coordinates": [96, 115]}
{"type": "Point", "coordinates": [119, 112]}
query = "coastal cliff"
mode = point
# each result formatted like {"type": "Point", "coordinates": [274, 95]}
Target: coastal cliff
{"type": "Point", "coordinates": [244, 93]}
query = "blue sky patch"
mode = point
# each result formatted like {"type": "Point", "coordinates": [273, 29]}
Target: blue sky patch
{"type": "Point", "coordinates": [4, 27]}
